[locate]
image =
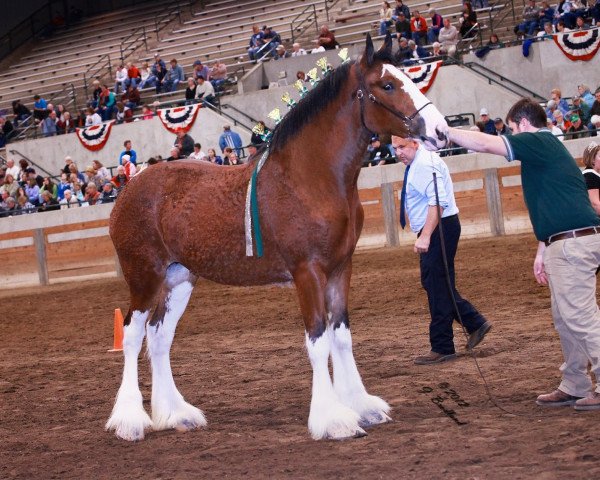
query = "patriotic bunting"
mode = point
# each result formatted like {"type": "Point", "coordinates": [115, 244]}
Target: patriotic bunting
{"type": "Point", "coordinates": [580, 45]}
{"type": "Point", "coordinates": [179, 118]}
{"type": "Point", "coordinates": [94, 138]}
{"type": "Point", "coordinates": [423, 75]}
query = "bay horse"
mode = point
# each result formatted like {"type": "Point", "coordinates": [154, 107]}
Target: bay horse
{"type": "Point", "coordinates": [170, 222]}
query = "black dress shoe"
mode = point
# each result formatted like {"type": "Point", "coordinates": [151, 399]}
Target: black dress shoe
{"type": "Point", "coordinates": [477, 336]}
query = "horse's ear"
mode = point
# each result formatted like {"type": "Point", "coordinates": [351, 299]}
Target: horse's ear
{"type": "Point", "coordinates": [386, 48]}
{"type": "Point", "coordinates": [369, 51]}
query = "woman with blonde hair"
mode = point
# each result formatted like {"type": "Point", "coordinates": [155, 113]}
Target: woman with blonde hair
{"type": "Point", "coordinates": [591, 173]}
{"type": "Point", "coordinates": [385, 18]}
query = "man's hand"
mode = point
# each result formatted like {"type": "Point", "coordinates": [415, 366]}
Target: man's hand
{"type": "Point", "coordinates": [422, 244]}
{"type": "Point", "coordinates": [539, 271]}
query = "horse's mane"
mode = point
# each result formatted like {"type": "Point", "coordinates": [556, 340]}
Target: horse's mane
{"type": "Point", "coordinates": [311, 105]}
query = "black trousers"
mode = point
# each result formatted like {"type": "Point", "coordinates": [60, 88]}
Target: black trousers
{"type": "Point", "coordinates": [433, 280]}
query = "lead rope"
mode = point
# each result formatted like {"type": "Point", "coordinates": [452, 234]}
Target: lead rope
{"type": "Point", "coordinates": [458, 316]}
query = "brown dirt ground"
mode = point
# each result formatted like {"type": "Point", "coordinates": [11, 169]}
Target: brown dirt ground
{"type": "Point", "coordinates": [239, 356]}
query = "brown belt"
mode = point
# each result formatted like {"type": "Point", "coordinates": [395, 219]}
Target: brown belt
{"type": "Point", "coordinates": [582, 232]}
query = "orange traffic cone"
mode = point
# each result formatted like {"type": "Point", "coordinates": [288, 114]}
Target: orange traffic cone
{"type": "Point", "coordinates": [118, 335]}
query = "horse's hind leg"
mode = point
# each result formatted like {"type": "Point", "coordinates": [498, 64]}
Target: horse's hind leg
{"type": "Point", "coordinates": [128, 418]}
{"type": "Point", "coordinates": [346, 380]}
{"type": "Point", "coordinates": [169, 409]}
{"type": "Point", "coordinates": [328, 417]}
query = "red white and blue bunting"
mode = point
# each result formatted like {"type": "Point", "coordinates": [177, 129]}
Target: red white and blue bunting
{"type": "Point", "coordinates": [580, 45]}
{"type": "Point", "coordinates": [423, 75]}
{"type": "Point", "coordinates": [179, 118]}
{"type": "Point", "coordinates": [94, 138]}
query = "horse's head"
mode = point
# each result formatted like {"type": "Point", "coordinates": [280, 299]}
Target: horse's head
{"type": "Point", "coordinates": [392, 103]}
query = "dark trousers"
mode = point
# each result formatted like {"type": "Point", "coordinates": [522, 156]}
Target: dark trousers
{"type": "Point", "coordinates": [433, 280]}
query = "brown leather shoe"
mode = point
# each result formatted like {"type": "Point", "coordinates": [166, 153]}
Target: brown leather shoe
{"type": "Point", "coordinates": [591, 402]}
{"type": "Point", "coordinates": [477, 336]}
{"type": "Point", "coordinates": [432, 358]}
{"type": "Point", "coordinates": [557, 398]}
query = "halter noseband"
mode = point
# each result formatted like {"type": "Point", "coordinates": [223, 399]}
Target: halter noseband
{"type": "Point", "coordinates": [361, 95]}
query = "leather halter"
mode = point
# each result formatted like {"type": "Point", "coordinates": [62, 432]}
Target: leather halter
{"type": "Point", "coordinates": [363, 91]}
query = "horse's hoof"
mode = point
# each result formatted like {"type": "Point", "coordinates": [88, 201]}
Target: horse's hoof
{"type": "Point", "coordinates": [371, 419]}
{"type": "Point", "coordinates": [189, 425]}
{"type": "Point", "coordinates": [345, 434]}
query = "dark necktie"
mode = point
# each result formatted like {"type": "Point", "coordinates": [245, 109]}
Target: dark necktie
{"type": "Point", "coordinates": [403, 199]}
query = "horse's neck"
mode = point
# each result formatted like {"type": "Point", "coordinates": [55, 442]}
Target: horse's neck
{"type": "Point", "coordinates": [335, 144]}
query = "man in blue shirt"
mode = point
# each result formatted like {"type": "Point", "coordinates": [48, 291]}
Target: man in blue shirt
{"type": "Point", "coordinates": [419, 203]}
{"type": "Point", "coordinates": [230, 139]}
{"type": "Point", "coordinates": [256, 42]}
{"type": "Point", "coordinates": [40, 108]}
{"type": "Point", "coordinates": [128, 151]}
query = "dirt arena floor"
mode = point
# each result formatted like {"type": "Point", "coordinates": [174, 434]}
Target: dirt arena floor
{"type": "Point", "coordinates": [239, 356]}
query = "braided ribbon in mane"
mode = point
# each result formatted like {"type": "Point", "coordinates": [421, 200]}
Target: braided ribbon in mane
{"type": "Point", "coordinates": [251, 211]}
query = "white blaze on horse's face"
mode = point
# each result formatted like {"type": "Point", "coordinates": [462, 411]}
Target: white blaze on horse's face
{"type": "Point", "coordinates": [436, 128]}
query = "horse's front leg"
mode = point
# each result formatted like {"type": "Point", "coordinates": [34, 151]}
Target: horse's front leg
{"type": "Point", "coordinates": [328, 418]}
{"type": "Point", "coordinates": [347, 382]}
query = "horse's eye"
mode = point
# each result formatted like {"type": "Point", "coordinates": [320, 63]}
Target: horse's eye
{"type": "Point", "coordinates": [388, 87]}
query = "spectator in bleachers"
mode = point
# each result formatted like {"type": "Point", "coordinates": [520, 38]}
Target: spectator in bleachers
{"type": "Point", "coordinates": [175, 154]}
{"type": "Point", "coordinates": [128, 151]}
{"type": "Point", "coordinates": [205, 93]}
{"type": "Point", "coordinates": [403, 27]}
{"type": "Point", "coordinates": [108, 102]}
{"type": "Point", "coordinates": [50, 187]}
{"type": "Point", "coordinates": [436, 25]}
{"type": "Point", "coordinates": [67, 168]}
{"type": "Point", "coordinates": [133, 75]}
{"type": "Point", "coordinates": [10, 185]}
{"type": "Point", "coordinates": [48, 125]}
{"type": "Point", "coordinates": [546, 13]}
{"type": "Point", "coordinates": [159, 61]}
{"type": "Point", "coordinates": [547, 33]}
{"type": "Point", "coordinates": [436, 50]}
{"type": "Point", "coordinates": [580, 23]}
{"type": "Point", "coordinates": [68, 200]}
{"type": "Point", "coordinates": [280, 53]}
{"type": "Point", "coordinates": [63, 186]}
{"type": "Point", "coordinates": [562, 104]}
{"type": "Point", "coordinates": [468, 21]}
{"type": "Point", "coordinates": [9, 208]}
{"type": "Point", "coordinates": [174, 76]}
{"type": "Point", "coordinates": [378, 154]}
{"type": "Point", "coordinates": [585, 93]}
{"type": "Point", "coordinates": [551, 109]}
{"type": "Point", "coordinates": [256, 42]}
{"type": "Point", "coordinates": [577, 128]}
{"type": "Point", "coordinates": [12, 169]}
{"type": "Point", "coordinates": [92, 195]}
{"type": "Point", "coordinates": [120, 78]}
{"type": "Point", "coordinates": [197, 154]}
{"type": "Point", "coordinates": [147, 78]}
{"type": "Point", "coordinates": [101, 170]}
{"type": "Point", "coordinates": [230, 139]}
{"type": "Point", "coordinates": [448, 37]}
{"type": "Point", "coordinates": [124, 113]}
{"type": "Point", "coordinates": [66, 125]}
{"type": "Point", "coordinates": [131, 97]}
{"type": "Point", "coordinates": [190, 92]}
{"type": "Point", "coordinates": [488, 123]}
{"type": "Point", "coordinates": [120, 179]}
{"type": "Point", "coordinates": [272, 40]}
{"type": "Point", "coordinates": [92, 118]}
{"type": "Point", "coordinates": [20, 112]}
{"type": "Point", "coordinates": [300, 75]}
{"type": "Point", "coordinates": [326, 39]}
{"type": "Point", "coordinates": [231, 158]}
{"type": "Point", "coordinates": [531, 18]}
{"type": "Point", "coordinates": [47, 203]}
{"type": "Point", "coordinates": [404, 52]}
{"type": "Point", "coordinates": [385, 18]}
{"type": "Point", "coordinates": [7, 131]}
{"type": "Point", "coordinates": [91, 177]}
{"type": "Point", "coordinates": [147, 113]}
{"type": "Point", "coordinates": [596, 105]}
{"type": "Point", "coordinates": [218, 74]}
{"type": "Point", "coordinates": [416, 53]}
{"type": "Point", "coordinates": [565, 12]}
{"type": "Point", "coordinates": [212, 157]}
{"type": "Point", "coordinates": [400, 8]}
{"type": "Point", "coordinates": [184, 142]}
{"type": "Point", "coordinates": [297, 51]}
{"type": "Point", "coordinates": [75, 176]}
{"type": "Point", "coordinates": [560, 27]}
{"type": "Point", "coordinates": [128, 166]}
{"type": "Point", "coordinates": [160, 75]}
{"type": "Point", "coordinates": [581, 108]}
{"type": "Point", "coordinates": [77, 192]}
{"type": "Point", "coordinates": [418, 28]}
{"type": "Point", "coordinates": [97, 90]}
{"type": "Point", "coordinates": [557, 132]}
{"type": "Point", "coordinates": [200, 70]}
{"type": "Point", "coordinates": [594, 124]}
{"type": "Point", "coordinates": [32, 190]}
{"type": "Point", "coordinates": [40, 108]}
{"type": "Point", "coordinates": [494, 42]}
{"type": "Point", "coordinates": [560, 122]}
{"type": "Point", "coordinates": [108, 193]}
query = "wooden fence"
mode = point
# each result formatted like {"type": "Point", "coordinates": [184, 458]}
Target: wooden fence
{"type": "Point", "coordinates": [490, 202]}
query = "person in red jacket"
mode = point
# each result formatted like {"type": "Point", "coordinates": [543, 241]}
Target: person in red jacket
{"type": "Point", "coordinates": [418, 27]}
{"type": "Point", "coordinates": [134, 76]}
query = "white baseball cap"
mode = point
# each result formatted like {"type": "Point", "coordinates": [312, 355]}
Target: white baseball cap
{"type": "Point", "coordinates": [483, 111]}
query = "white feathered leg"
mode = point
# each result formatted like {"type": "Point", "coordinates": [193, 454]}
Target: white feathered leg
{"type": "Point", "coordinates": [129, 420]}
{"type": "Point", "coordinates": [169, 409]}
{"type": "Point", "coordinates": [347, 382]}
{"type": "Point", "coordinates": [328, 418]}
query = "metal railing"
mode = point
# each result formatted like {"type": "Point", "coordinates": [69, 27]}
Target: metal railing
{"type": "Point", "coordinates": [303, 21]}
{"type": "Point", "coordinates": [329, 4]}
{"type": "Point", "coordinates": [131, 43]}
{"type": "Point", "coordinates": [31, 162]}
{"type": "Point", "coordinates": [98, 69]}
{"type": "Point", "coordinates": [494, 77]}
